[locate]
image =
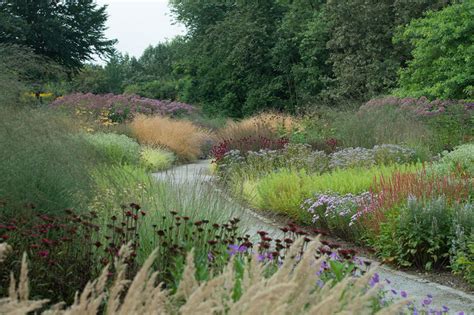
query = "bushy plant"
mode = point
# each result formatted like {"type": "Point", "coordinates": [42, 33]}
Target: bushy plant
{"type": "Point", "coordinates": [254, 164]}
{"type": "Point", "coordinates": [392, 153]}
{"type": "Point", "coordinates": [352, 157]}
{"type": "Point", "coordinates": [285, 190]}
{"type": "Point", "coordinates": [156, 159]}
{"type": "Point", "coordinates": [336, 213]}
{"type": "Point", "coordinates": [422, 233]}
{"type": "Point", "coordinates": [356, 180]}
{"type": "Point", "coordinates": [392, 191]}
{"type": "Point", "coordinates": [181, 137]}
{"type": "Point", "coordinates": [115, 149]}
{"type": "Point", "coordinates": [44, 162]}
{"type": "Point", "coordinates": [459, 161]}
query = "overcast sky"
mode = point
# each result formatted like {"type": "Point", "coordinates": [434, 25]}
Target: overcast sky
{"type": "Point", "coordinates": [138, 23]}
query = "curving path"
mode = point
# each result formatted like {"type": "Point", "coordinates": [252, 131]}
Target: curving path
{"type": "Point", "coordinates": [416, 287]}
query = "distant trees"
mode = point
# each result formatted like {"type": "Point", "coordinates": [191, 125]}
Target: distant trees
{"type": "Point", "coordinates": [241, 57]}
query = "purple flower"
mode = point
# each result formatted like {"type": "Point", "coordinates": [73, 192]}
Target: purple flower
{"type": "Point", "coordinates": [403, 294]}
{"type": "Point", "coordinates": [375, 279]}
{"type": "Point", "coordinates": [236, 249]}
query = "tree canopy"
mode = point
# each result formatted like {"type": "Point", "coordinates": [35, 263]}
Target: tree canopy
{"type": "Point", "coordinates": [68, 32]}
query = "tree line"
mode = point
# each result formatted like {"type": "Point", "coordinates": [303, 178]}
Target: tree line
{"type": "Point", "coordinates": [240, 57]}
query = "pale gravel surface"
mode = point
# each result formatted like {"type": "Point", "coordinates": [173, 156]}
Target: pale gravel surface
{"type": "Point", "coordinates": [416, 287]}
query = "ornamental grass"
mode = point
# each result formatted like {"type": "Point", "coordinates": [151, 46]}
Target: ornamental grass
{"type": "Point", "coordinates": [291, 289]}
{"type": "Point", "coordinates": [181, 137]}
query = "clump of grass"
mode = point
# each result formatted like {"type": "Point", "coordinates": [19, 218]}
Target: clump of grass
{"type": "Point", "coordinates": [156, 159]}
{"type": "Point", "coordinates": [289, 290]}
{"type": "Point", "coordinates": [114, 148]}
{"type": "Point", "coordinates": [179, 136]}
{"type": "Point", "coordinates": [44, 161]}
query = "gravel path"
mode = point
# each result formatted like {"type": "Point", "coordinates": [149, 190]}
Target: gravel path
{"type": "Point", "coordinates": [416, 287]}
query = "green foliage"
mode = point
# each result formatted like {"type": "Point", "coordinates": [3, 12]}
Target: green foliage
{"type": "Point", "coordinates": [425, 233]}
{"type": "Point", "coordinates": [160, 198]}
{"type": "Point", "coordinates": [355, 180]}
{"type": "Point", "coordinates": [443, 46]}
{"type": "Point", "coordinates": [156, 159]}
{"type": "Point", "coordinates": [69, 32]}
{"type": "Point", "coordinates": [23, 72]}
{"type": "Point", "coordinates": [380, 125]}
{"type": "Point", "coordinates": [114, 148]}
{"type": "Point", "coordinates": [45, 165]}
{"type": "Point", "coordinates": [285, 190]}
{"type": "Point", "coordinates": [460, 160]}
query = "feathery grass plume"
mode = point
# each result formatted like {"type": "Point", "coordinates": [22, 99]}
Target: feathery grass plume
{"type": "Point", "coordinates": [179, 136]}
{"type": "Point", "coordinates": [18, 301]}
{"type": "Point", "coordinates": [5, 249]}
{"type": "Point", "coordinates": [267, 125]}
{"type": "Point", "coordinates": [188, 283]}
{"type": "Point", "coordinates": [278, 294]}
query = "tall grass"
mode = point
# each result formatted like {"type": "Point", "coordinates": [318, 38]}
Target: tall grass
{"type": "Point", "coordinates": [289, 290]}
{"type": "Point", "coordinates": [42, 162]}
{"type": "Point", "coordinates": [265, 125]}
{"type": "Point", "coordinates": [179, 136]}
{"type": "Point", "coordinates": [163, 199]}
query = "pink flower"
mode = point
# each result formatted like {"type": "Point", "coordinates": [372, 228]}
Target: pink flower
{"type": "Point", "coordinates": [43, 253]}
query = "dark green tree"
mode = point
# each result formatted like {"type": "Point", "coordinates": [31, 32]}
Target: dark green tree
{"type": "Point", "coordinates": [68, 32]}
{"type": "Point", "coordinates": [363, 57]}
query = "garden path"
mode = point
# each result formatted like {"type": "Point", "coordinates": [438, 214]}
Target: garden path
{"type": "Point", "coordinates": [417, 287]}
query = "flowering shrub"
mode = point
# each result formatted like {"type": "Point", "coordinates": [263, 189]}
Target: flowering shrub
{"type": "Point", "coordinates": [392, 153]}
{"type": "Point", "coordinates": [352, 157]}
{"type": "Point", "coordinates": [115, 148]}
{"type": "Point", "coordinates": [380, 154]}
{"type": "Point", "coordinates": [111, 108]}
{"type": "Point", "coordinates": [335, 212]}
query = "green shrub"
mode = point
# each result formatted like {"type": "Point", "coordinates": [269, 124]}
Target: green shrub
{"type": "Point", "coordinates": [115, 149]}
{"type": "Point", "coordinates": [156, 159]}
{"type": "Point", "coordinates": [461, 160]}
{"type": "Point", "coordinates": [425, 233]}
{"type": "Point", "coordinates": [43, 163]}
